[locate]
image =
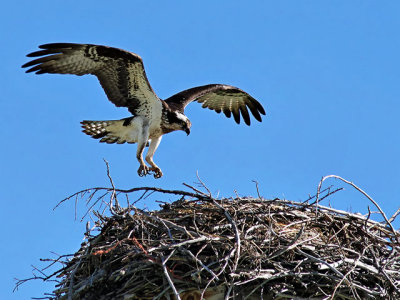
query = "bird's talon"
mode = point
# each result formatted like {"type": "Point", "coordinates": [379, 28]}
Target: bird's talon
{"type": "Point", "coordinates": [157, 172]}
{"type": "Point", "coordinates": [143, 170]}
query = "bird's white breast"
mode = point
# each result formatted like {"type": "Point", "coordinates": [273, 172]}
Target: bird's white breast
{"type": "Point", "coordinates": [152, 111]}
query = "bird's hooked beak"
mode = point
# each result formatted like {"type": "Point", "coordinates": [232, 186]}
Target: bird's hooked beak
{"type": "Point", "coordinates": [187, 130]}
{"type": "Point", "coordinates": [186, 126]}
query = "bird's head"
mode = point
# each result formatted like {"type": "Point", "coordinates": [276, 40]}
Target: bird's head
{"type": "Point", "coordinates": [183, 122]}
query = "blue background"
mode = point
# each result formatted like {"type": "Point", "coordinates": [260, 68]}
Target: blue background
{"type": "Point", "coordinates": [327, 73]}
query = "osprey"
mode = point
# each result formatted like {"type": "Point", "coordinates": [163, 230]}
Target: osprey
{"type": "Point", "coordinates": [123, 78]}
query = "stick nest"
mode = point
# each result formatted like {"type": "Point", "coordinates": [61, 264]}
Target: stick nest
{"type": "Point", "coordinates": [244, 248]}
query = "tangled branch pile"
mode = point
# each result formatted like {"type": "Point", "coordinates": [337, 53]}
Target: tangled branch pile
{"type": "Point", "coordinates": [245, 248]}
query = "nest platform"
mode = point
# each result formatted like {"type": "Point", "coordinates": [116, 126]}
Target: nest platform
{"type": "Point", "coordinates": [199, 247]}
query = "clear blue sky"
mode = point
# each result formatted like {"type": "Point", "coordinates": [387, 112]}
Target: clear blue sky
{"type": "Point", "coordinates": [327, 73]}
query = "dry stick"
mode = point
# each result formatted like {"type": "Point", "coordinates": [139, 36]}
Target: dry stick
{"type": "Point", "coordinates": [203, 184]}
{"type": "Point", "coordinates": [164, 222]}
{"type": "Point", "coordinates": [237, 245]}
{"type": "Point", "coordinates": [199, 262]}
{"type": "Point", "coordinates": [391, 281]}
{"type": "Point", "coordinates": [45, 277]}
{"type": "Point", "coordinates": [336, 271]}
{"type": "Point", "coordinates": [113, 196]}
{"type": "Point", "coordinates": [22, 281]}
{"type": "Point", "coordinates": [171, 284]}
{"type": "Point", "coordinates": [325, 196]}
{"type": "Point", "coordinates": [311, 197]}
{"type": "Point", "coordinates": [200, 239]}
{"type": "Point", "coordinates": [140, 198]}
{"type": "Point", "coordinates": [347, 274]}
{"type": "Point", "coordinates": [382, 269]}
{"type": "Point", "coordinates": [362, 192]}
{"type": "Point", "coordinates": [160, 190]}
{"type": "Point", "coordinates": [219, 273]}
{"type": "Point", "coordinates": [237, 236]}
{"type": "Point", "coordinates": [325, 208]}
{"type": "Point", "coordinates": [194, 189]}
{"type": "Point", "coordinates": [71, 282]}
{"type": "Point", "coordinates": [228, 292]}
{"type": "Point", "coordinates": [54, 261]}
{"type": "Point", "coordinates": [340, 212]}
{"type": "Point", "coordinates": [394, 215]}
{"type": "Point", "coordinates": [100, 198]}
{"type": "Point", "coordinates": [258, 191]}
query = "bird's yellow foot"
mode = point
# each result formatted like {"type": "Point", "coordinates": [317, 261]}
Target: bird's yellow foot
{"type": "Point", "coordinates": [157, 172]}
{"type": "Point", "coordinates": [143, 170]}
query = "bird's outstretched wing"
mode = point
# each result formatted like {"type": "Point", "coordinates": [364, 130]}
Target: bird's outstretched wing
{"type": "Point", "coordinates": [121, 73]}
{"type": "Point", "coordinates": [219, 97]}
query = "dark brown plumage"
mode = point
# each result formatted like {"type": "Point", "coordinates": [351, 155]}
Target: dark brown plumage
{"type": "Point", "coordinates": [219, 97]}
{"type": "Point", "coordinates": [121, 73]}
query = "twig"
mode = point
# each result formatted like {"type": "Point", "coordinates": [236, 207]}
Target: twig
{"type": "Point", "coordinates": [72, 276]}
{"type": "Point", "coordinates": [159, 190]}
{"type": "Point", "coordinates": [203, 184]}
{"type": "Point", "coordinates": [194, 189]}
{"type": "Point", "coordinates": [393, 217]}
{"type": "Point", "coordinates": [258, 191]}
{"type": "Point", "coordinates": [337, 272]}
{"type": "Point", "coordinates": [237, 235]}
{"type": "Point", "coordinates": [365, 194]}
{"type": "Point", "coordinates": [113, 196]}
{"type": "Point", "coordinates": [170, 282]}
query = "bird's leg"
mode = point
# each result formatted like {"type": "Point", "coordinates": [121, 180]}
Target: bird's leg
{"type": "Point", "coordinates": [149, 157]}
{"type": "Point", "coordinates": [142, 141]}
{"type": "Point", "coordinates": [143, 168]}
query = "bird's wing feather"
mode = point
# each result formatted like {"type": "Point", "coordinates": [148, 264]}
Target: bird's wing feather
{"type": "Point", "coordinates": [220, 97]}
{"type": "Point", "coordinates": [121, 73]}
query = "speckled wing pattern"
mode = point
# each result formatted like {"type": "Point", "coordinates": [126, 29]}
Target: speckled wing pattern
{"type": "Point", "coordinates": [220, 97]}
{"type": "Point", "coordinates": [121, 73]}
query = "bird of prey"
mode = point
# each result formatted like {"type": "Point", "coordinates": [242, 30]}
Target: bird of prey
{"type": "Point", "coordinates": [123, 78]}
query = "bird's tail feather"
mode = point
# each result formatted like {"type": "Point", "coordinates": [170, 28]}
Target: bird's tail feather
{"type": "Point", "coordinates": [112, 131]}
